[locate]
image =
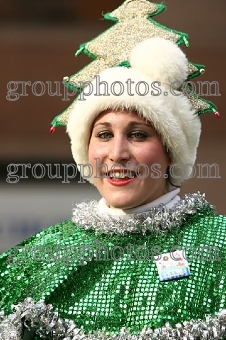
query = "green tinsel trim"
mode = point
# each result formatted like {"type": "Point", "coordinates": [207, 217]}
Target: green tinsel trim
{"type": "Point", "coordinates": [197, 73]}
{"type": "Point", "coordinates": [80, 50]}
{"type": "Point", "coordinates": [160, 9]}
{"type": "Point", "coordinates": [185, 40]}
{"type": "Point", "coordinates": [83, 49]}
{"type": "Point", "coordinates": [70, 86]}
{"type": "Point", "coordinates": [124, 64]}
{"type": "Point", "coordinates": [212, 107]}
{"type": "Point", "coordinates": [55, 122]}
{"type": "Point", "coordinates": [107, 16]}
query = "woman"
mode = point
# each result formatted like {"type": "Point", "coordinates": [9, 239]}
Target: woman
{"type": "Point", "coordinates": [141, 263]}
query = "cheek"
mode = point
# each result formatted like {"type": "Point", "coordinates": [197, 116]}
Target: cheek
{"type": "Point", "coordinates": [91, 152]}
{"type": "Point", "coordinates": [94, 152]}
{"type": "Point", "coordinates": [154, 155]}
{"type": "Point", "coordinates": [92, 156]}
{"type": "Point", "coordinates": [149, 154]}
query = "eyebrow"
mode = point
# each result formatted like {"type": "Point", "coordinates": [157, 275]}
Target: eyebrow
{"type": "Point", "coordinates": [131, 124]}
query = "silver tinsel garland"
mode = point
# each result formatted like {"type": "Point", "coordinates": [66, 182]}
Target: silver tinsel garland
{"type": "Point", "coordinates": [46, 323]}
{"type": "Point", "coordinates": [158, 220]}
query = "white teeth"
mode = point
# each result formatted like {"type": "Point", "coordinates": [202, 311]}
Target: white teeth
{"type": "Point", "coordinates": [118, 174]}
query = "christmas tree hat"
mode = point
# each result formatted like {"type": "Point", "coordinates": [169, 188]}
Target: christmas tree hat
{"type": "Point", "coordinates": [133, 24]}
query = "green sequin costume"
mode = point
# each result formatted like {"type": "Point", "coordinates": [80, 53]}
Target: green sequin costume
{"type": "Point", "coordinates": [83, 273]}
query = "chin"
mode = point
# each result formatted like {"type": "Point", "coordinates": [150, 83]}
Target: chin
{"type": "Point", "coordinates": [120, 203]}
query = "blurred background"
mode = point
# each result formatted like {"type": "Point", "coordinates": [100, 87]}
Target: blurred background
{"type": "Point", "coordinates": [38, 40]}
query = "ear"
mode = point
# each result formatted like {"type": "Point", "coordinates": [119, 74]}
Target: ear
{"type": "Point", "coordinates": [169, 157]}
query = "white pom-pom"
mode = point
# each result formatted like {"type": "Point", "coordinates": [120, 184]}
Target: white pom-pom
{"type": "Point", "coordinates": [160, 59]}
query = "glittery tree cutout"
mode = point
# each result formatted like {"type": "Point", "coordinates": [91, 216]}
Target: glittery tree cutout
{"type": "Point", "coordinates": [133, 24]}
{"type": "Point", "coordinates": [113, 47]}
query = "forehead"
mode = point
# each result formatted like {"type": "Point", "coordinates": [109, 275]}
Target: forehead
{"type": "Point", "coordinates": [113, 115]}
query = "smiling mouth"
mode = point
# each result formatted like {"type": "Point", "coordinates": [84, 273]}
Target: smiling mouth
{"type": "Point", "coordinates": [121, 174]}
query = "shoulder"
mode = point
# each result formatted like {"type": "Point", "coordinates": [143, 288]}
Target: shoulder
{"type": "Point", "coordinates": [26, 266]}
{"type": "Point", "coordinates": [206, 230]}
{"type": "Point", "coordinates": [55, 231]}
{"type": "Point", "coordinates": [212, 221]}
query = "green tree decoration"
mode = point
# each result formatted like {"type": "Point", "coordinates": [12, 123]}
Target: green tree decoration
{"type": "Point", "coordinates": [133, 24]}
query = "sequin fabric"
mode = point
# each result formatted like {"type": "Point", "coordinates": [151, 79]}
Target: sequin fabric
{"type": "Point", "coordinates": [107, 283]}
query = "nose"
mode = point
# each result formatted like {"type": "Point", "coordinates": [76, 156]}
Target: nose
{"type": "Point", "coordinates": [119, 149]}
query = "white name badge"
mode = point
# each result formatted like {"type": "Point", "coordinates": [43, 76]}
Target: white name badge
{"type": "Point", "coordinates": [172, 266]}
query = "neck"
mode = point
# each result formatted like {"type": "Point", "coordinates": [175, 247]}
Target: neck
{"type": "Point", "coordinates": [168, 200]}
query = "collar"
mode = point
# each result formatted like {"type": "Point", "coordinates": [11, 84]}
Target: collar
{"type": "Point", "coordinates": [158, 220]}
{"type": "Point", "coordinates": [169, 200]}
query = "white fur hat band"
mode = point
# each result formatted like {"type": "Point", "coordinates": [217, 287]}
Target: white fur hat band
{"type": "Point", "coordinates": [157, 68]}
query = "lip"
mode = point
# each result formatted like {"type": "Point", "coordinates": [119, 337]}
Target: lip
{"type": "Point", "coordinates": [120, 181]}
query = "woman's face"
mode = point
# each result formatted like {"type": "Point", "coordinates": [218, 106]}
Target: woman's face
{"type": "Point", "coordinates": [128, 159]}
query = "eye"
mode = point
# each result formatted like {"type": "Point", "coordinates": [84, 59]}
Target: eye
{"type": "Point", "coordinates": [138, 135]}
{"type": "Point", "coordinates": [104, 135]}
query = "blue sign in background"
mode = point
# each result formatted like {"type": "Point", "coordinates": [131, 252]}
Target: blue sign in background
{"type": "Point", "coordinates": [27, 208]}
